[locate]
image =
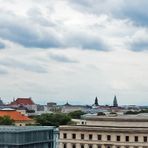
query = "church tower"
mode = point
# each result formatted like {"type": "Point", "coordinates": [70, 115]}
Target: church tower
{"type": "Point", "coordinates": [96, 102]}
{"type": "Point", "coordinates": [115, 103]}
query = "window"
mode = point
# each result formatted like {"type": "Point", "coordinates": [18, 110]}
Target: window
{"type": "Point", "coordinates": [82, 145]}
{"type": "Point", "coordinates": [73, 136]}
{"type": "Point", "coordinates": [108, 137]}
{"type": "Point", "coordinates": [64, 135]}
{"type": "Point", "coordinates": [90, 146]}
{"type": "Point", "coordinates": [99, 146]}
{"type": "Point", "coordinates": [90, 136]}
{"type": "Point", "coordinates": [73, 145]}
{"type": "Point", "coordinates": [82, 136]}
{"type": "Point", "coordinates": [126, 138]}
{"type": "Point", "coordinates": [145, 139]}
{"type": "Point", "coordinates": [118, 138]}
{"type": "Point", "coordinates": [136, 138]}
{"type": "Point", "coordinates": [64, 145]}
{"type": "Point", "coordinates": [99, 137]}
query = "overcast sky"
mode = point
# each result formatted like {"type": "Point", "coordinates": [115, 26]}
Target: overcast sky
{"type": "Point", "coordinates": [74, 50]}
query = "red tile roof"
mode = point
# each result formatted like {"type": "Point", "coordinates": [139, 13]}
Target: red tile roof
{"type": "Point", "coordinates": [13, 114]}
{"type": "Point", "coordinates": [22, 101]}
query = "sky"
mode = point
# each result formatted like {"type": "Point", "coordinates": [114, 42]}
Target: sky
{"type": "Point", "coordinates": [74, 50]}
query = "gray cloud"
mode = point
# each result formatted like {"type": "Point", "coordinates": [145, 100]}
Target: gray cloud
{"type": "Point", "coordinates": [24, 32]}
{"type": "Point", "coordinates": [3, 71]}
{"type": "Point", "coordinates": [139, 46]}
{"type": "Point", "coordinates": [38, 32]}
{"type": "Point", "coordinates": [36, 15]}
{"type": "Point", "coordinates": [86, 41]}
{"type": "Point", "coordinates": [2, 45]}
{"type": "Point", "coordinates": [33, 67]}
{"type": "Point", "coordinates": [61, 58]}
{"type": "Point", "coordinates": [134, 10]}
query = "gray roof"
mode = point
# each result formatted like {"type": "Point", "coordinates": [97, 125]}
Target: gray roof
{"type": "Point", "coordinates": [25, 128]}
{"type": "Point", "coordinates": [97, 129]}
{"type": "Point", "coordinates": [132, 118]}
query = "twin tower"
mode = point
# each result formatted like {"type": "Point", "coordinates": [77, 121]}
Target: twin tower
{"type": "Point", "coordinates": [115, 102]}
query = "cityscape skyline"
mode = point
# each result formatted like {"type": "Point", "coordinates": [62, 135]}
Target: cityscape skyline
{"type": "Point", "coordinates": [112, 102]}
{"type": "Point", "coordinates": [74, 50]}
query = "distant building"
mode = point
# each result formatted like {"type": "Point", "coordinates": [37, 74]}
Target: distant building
{"type": "Point", "coordinates": [67, 108]}
{"type": "Point", "coordinates": [51, 104]}
{"type": "Point", "coordinates": [19, 118]}
{"type": "Point", "coordinates": [106, 132]}
{"type": "Point", "coordinates": [21, 109]}
{"type": "Point", "coordinates": [26, 102]}
{"type": "Point", "coordinates": [28, 137]}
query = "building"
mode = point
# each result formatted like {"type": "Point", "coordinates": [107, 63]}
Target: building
{"type": "Point", "coordinates": [26, 102]}
{"type": "Point", "coordinates": [67, 108]}
{"type": "Point", "coordinates": [28, 137]}
{"type": "Point", "coordinates": [106, 132]}
{"type": "Point", "coordinates": [19, 118]}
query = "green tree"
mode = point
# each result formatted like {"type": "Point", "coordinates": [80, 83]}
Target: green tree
{"type": "Point", "coordinates": [53, 119]}
{"type": "Point", "coordinates": [6, 120]}
{"type": "Point", "coordinates": [76, 114]}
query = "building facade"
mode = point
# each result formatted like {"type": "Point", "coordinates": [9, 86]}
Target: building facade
{"type": "Point", "coordinates": [28, 137]}
{"type": "Point", "coordinates": [106, 132]}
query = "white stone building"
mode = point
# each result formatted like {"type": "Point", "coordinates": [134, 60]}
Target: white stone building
{"type": "Point", "coordinates": [106, 132]}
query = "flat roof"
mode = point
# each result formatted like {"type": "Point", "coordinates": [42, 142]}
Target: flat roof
{"type": "Point", "coordinates": [129, 118]}
{"type": "Point", "coordinates": [25, 128]}
{"type": "Point", "coordinates": [112, 129]}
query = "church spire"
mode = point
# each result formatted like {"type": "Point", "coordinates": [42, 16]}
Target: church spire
{"type": "Point", "coordinates": [96, 102]}
{"type": "Point", "coordinates": [115, 103]}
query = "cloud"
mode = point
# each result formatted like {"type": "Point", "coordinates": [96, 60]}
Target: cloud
{"type": "Point", "coordinates": [139, 40]}
{"type": "Point", "coordinates": [135, 11]}
{"type": "Point", "coordinates": [139, 46]}
{"type": "Point", "coordinates": [13, 63]}
{"type": "Point", "coordinates": [37, 28]}
{"type": "Point", "coordinates": [24, 32]}
{"type": "Point", "coordinates": [2, 45]}
{"type": "Point", "coordinates": [3, 71]}
{"type": "Point", "coordinates": [61, 58]}
{"type": "Point", "coordinates": [84, 40]}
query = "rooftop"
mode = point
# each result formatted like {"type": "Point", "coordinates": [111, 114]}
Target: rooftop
{"type": "Point", "coordinates": [24, 128]}
{"type": "Point", "coordinates": [13, 114]}
{"type": "Point", "coordinates": [139, 117]}
{"type": "Point", "coordinates": [22, 101]}
{"type": "Point", "coordinates": [104, 129]}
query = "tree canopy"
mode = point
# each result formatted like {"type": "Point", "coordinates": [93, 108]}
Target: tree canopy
{"type": "Point", "coordinates": [6, 120]}
{"type": "Point", "coordinates": [76, 114]}
{"type": "Point", "coordinates": [53, 119]}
